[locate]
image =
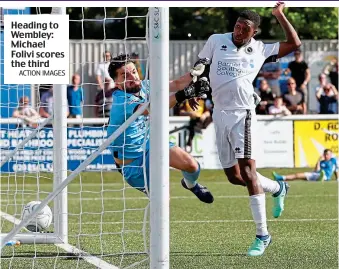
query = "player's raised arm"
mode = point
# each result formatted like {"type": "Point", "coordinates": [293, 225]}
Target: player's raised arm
{"type": "Point", "coordinates": [293, 42]}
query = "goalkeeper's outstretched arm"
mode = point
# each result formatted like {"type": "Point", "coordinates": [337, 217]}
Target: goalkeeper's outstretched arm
{"type": "Point", "coordinates": [180, 83]}
{"type": "Point", "coordinates": [199, 70]}
{"type": "Point", "coordinates": [200, 88]}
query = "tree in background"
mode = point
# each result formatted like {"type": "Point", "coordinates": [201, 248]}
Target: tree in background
{"type": "Point", "coordinates": [311, 23]}
{"type": "Point", "coordinates": [196, 23]}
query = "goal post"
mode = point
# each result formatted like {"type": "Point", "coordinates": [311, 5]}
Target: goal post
{"type": "Point", "coordinates": [60, 153]}
{"type": "Point", "coordinates": [157, 37]}
{"type": "Point", "coordinates": [159, 137]}
{"type": "Point", "coordinates": [59, 120]}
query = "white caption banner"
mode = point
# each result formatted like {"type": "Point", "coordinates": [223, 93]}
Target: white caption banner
{"type": "Point", "coordinates": [36, 49]}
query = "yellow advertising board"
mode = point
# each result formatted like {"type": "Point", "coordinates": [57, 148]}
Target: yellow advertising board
{"type": "Point", "coordinates": [311, 137]}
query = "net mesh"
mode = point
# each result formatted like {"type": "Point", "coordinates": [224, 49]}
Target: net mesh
{"type": "Point", "coordinates": [106, 217]}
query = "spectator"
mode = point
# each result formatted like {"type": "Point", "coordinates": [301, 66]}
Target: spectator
{"type": "Point", "coordinates": [294, 100]}
{"type": "Point", "coordinates": [44, 88]}
{"type": "Point", "coordinates": [199, 119]}
{"type": "Point", "coordinates": [46, 106]}
{"type": "Point", "coordinates": [328, 99]}
{"type": "Point", "coordinates": [25, 112]}
{"type": "Point", "coordinates": [271, 72]}
{"type": "Point", "coordinates": [75, 97]}
{"type": "Point", "coordinates": [331, 70]}
{"type": "Point", "coordinates": [300, 72]}
{"type": "Point", "coordinates": [278, 108]}
{"type": "Point", "coordinates": [267, 98]}
{"type": "Point", "coordinates": [322, 81]}
{"type": "Point", "coordinates": [102, 72]}
{"type": "Point", "coordinates": [104, 101]}
{"type": "Point", "coordinates": [322, 78]}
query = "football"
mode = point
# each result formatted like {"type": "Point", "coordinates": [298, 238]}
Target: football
{"type": "Point", "coordinates": [42, 221]}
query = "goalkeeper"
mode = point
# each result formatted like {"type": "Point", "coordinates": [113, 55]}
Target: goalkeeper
{"type": "Point", "coordinates": [128, 149]}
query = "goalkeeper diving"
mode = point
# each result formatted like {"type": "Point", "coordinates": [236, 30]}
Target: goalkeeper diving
{"type": "Point", "coordinates": [130, 147]}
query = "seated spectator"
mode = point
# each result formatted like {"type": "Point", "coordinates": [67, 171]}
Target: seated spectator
{"type": "Point", "coordinates": [294, 100]}
{"type": "Point", "coordinates": [271, 72]}
{"type": "Point", "coordinates": [75, 97]}
{"type": "Point", "coordinates": [200, 118]}
{"type": "Point", "coordinates": [328, 99]}
{"type": "Point", "coordinates": [103, 101]}
{"type": "Point", "coordinates": [267, 98]}
{"type": "Point", "coordinates": [278, 108]}
{"type": "Point", "coordinates": [25, 112]}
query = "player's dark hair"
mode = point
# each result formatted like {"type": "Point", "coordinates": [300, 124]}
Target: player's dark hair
{"type": "Point", "coordinates": [251, 16]}
{"type": "Point", "coordinates": [327, 151]}
{"type": "Point", "coordinates": [117, 62]}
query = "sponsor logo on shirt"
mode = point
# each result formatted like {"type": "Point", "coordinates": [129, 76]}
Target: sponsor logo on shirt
{"type": "Point", "coordinates": [234, 69]}
{"type": "Point", "coordinates": [245, 63]}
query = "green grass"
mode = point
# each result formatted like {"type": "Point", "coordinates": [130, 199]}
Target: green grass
{"type": "Point", "coordinates": [214, 236]}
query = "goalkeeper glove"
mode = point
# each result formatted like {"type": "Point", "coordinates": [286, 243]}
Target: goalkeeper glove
{"type": "Point", "coordinates": [198, 89]}
{"type": "Point", "coordinates": [200, 69]}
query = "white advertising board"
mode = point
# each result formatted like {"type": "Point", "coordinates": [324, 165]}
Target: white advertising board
{"type": "Point", "coordinates": [275, 143]}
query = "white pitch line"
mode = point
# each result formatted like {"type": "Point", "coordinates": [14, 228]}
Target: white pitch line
{"type": "Point", "coordinates": [205, 221]}
{"type": "Point", "coordinates": [87, 257]}
{"type": "Point", "coordinates": [269, 220]}
{"type": "Point", "coordinates": [173, 197]}
{"type": "Point", "coordinates": [10, 218]}
{"type": "Point", "coordinates": [100, 264]}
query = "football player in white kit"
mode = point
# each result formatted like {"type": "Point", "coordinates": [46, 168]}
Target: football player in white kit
{"type": "Point", "coordinates": [236, 58]}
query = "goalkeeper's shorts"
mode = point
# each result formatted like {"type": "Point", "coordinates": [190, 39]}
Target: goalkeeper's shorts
{"type": "Point", "coordinates": [136, 173]}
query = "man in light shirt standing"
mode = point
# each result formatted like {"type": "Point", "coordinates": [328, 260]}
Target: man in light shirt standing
{"type": "Point", "coordinates": [102, 72]}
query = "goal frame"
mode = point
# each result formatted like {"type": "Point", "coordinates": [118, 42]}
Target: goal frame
{"type": "Point", "coordinates": [60, 212]}
{"type": "Point", "coordinates": [158, 38]}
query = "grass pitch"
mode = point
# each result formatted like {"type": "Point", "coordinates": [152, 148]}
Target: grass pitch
{"type": "Point", "coordinates": [214, 236]}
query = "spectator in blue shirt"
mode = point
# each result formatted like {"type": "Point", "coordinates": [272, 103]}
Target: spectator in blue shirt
{"type": "Point", "coordinates": [75, 97]}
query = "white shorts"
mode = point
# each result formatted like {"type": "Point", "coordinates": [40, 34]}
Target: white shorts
{"type": "Point", "coordinates": [235, 135]}
{"type": "Point", "coordinates": [313, 176]}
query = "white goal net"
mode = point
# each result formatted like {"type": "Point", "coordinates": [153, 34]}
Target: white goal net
{"type": "Point", "coordinates": [99, 221]}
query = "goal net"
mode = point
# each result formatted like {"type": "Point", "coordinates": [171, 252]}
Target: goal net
{"type": "Point", "coordinates": [99, 221]}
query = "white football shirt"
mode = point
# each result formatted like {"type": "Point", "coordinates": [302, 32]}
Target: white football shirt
{"type": "Point", "coordinates": [234, 69]}
{"type": "Point", "coordinates": [102, 70]}
{"type": "Point", "coordinates": [27, 111]}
